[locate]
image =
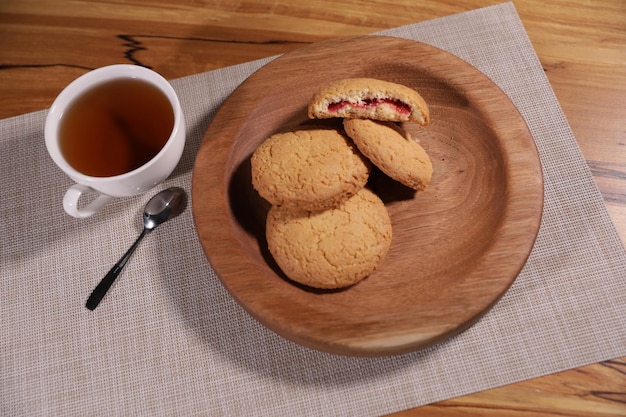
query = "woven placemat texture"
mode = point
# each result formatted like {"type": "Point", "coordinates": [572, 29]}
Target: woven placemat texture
{"type": "Point", "coordinates": [169, 340]}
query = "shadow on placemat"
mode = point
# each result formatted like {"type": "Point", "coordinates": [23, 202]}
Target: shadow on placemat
{"type": "Point", "coordinates": [220, 323]}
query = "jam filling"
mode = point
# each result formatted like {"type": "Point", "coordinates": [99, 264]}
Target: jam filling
{"type": "Point", "coordinates": [370, 103]}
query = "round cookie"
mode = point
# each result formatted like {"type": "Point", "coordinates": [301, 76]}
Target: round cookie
{"type": "Point", "coordinates": [332, 248]}
{"type": "Point", "coordinates": [308, 169]}
{"type": "Point", "coordinates": [398, 156]}
{"type": "Point", "coordinates": [368, 98]}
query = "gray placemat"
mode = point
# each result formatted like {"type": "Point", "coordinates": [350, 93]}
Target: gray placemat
{"type": "Point", "coordinates": [170, 340]}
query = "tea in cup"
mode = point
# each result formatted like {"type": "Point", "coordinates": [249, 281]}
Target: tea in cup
{"type": "Point", "coordinates": [117, 131]}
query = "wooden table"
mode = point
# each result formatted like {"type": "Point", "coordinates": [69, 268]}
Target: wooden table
{"type": "Point", "coordinates": [582, 45]}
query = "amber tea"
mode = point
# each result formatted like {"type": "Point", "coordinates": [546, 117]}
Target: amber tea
{"type": "Point", "coordinates": [115, 127]}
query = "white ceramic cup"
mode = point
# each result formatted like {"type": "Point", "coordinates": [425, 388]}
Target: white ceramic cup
{"type": "Point", "coordinates": [131, 183]}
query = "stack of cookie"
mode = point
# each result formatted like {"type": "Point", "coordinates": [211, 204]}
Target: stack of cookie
{"type": "Point", "coordinates": [325, 229]}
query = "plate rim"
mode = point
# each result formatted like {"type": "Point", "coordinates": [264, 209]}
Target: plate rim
{"type": "Point", "coordinates": [345, 347]}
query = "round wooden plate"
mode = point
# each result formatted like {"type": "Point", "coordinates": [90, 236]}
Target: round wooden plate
{"type": "Point", "coordinates": [457, 246]}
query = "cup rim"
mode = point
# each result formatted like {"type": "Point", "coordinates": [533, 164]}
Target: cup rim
{"type": "Point", "coordinates": [107, 73]}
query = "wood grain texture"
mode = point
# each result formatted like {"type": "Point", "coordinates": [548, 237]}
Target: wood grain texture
{"type": "Point", "coordinates": [44, 45]}
{"type": "Point", "coordinates": [590, 391]}
{"type": "Point", "coordinates": [435, 281]}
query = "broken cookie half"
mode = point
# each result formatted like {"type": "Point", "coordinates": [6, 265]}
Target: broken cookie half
{"type": "Point", "coordinates": [368, 98]}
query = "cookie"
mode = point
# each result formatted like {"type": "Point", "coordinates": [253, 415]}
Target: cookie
{"type": "Point", "coordinates": [308, 169]}
{"type": "Point", "coordinates": [395, 154]}
{"type": "Point", "coordinates": [368, 98]}
{"type": "Point", "coordinates": [333, 248]}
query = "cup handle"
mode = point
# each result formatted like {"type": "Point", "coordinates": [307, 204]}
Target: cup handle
{"type": "Point", "coordinates": [73, 194]}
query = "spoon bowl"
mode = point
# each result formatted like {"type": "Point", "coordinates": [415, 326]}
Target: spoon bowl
{"type": "Point", "coordinates": [164, 206]}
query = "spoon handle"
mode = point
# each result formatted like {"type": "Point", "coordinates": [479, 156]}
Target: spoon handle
{"type": "Point", "coordinates": [103, 286]}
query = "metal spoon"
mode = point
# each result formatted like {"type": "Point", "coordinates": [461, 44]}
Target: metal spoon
{"type": "Point", "coordinates": [162, 207]}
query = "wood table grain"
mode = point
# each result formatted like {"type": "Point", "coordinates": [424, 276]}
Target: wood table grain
{"type": "Point", "coordinates": [581, 44]}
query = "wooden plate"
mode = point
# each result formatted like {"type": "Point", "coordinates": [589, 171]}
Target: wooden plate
{"type": "Point", "coordinates": [457, 246]}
